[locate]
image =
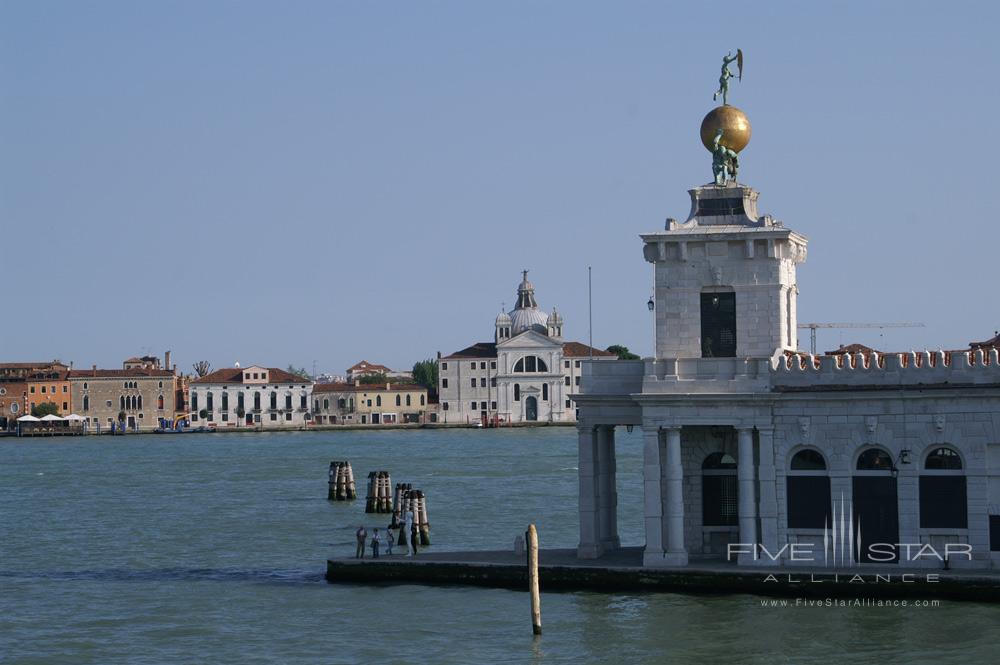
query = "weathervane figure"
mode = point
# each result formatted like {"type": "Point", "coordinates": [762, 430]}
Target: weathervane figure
{"type": "Point", "coordinates": [727, 59]}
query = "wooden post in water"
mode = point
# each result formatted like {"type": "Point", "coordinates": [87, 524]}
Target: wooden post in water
{"type": "Point", "coordinates": [420, 518]}
{"type": "Point", "coordinates": [341, 482]}
{"type": "Point", "coordinates": [370, 494]}
{"type": "Point", "coordinates": [406, 505]}
{"type": "Point", "coordinates": [350, 489]}
{"type": "Point", "coordinates": [536, 601]}
{"type": "Point", "coordinates": [397, 506]}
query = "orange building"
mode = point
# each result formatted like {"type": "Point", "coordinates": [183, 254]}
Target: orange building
{"type": "Point", "coordinates": [50, 385]}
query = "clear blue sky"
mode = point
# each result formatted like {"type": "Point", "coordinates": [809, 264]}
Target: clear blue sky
{"type": "Point", "coordinates": [328, 181]}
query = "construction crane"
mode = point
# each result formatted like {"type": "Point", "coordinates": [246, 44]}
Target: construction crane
{"type": "Point", "coordinates": [813, 327]}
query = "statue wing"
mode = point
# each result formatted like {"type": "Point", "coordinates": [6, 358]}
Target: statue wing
{"type": "Point", "coordinates": [739, 61]}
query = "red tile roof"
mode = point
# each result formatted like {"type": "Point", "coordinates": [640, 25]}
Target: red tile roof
{"type": "Point", "coordinates": [136, 372]}
{"type": "Point", "coordinates": [365, 366]}
{"type": "Point", "coordinates": [578, 350]}
{"type": "Point", "coordinates": [235, 375]}
{"type": "Point", "coordinates": [477, 350]}
{"type": "Point", "coordinates": [852, 348]}
{"type": "Point", "coordinates": [365, 388]}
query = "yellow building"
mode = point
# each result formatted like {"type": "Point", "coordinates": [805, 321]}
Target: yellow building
{"type": "Point", "coordinates": [375, 404]}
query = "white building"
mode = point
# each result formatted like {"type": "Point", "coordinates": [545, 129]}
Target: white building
{"type": "Point", "coordinates": [250, 397]}
{"type": "Point", "coordinates": [752, 447]}
{"type": "Point", "coordinates": [527, 373]}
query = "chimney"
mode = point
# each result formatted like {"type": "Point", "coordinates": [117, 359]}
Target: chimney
{"type": "Point", "coordinates": [166, 360]}
{"type": "Point", "coordinates": [93, 368]}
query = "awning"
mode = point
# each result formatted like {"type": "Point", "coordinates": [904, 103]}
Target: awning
{"type": "Point", "coordinates": [73, 416]}
{"type": "Point", "coordinates": [28, 419]}
{"type": "Point", "coordinates": [52, 417]}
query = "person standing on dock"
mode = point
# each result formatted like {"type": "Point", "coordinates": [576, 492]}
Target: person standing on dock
{"type": "Point", "coordinates": [376, 541]}
{"type": "Point", "coordinates": [409, 528]}
{"type": "Point", "coordinates": [389, 541]}
{"type": "Point", "coordinates": [361, 535]}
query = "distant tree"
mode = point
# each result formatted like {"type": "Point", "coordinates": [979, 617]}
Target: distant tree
{"type": "Point", "coordinates": [299, 372]}
{"type": "Point", "coordinates": [622, 352]}
{"type": "Point", "coordinates": [203, 414]}
{"type": "Point", "coordinates": [370, 379]}
{"type": "Point", "coordinates": [44, 409]}
{"type": "Point", "coordinates": [121, 416]}
{"type": "Point", "coordinates": [425, 373]}
{"type": "Point", "coordinates": [202, 368]}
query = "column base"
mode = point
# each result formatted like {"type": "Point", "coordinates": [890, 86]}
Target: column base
{"type": "Point", "coordinates": [659, 559]}
{"type": "Point", "coordinates": [591, 551]}
{"type": "Point", "coordinates": [611, 544]}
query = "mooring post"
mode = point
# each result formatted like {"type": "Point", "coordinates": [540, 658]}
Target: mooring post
{"type": "Point", "coordinates": [351, 491]}
{"type": "Point", "coordinates": [420, 516]}
{"type": "Point", "coordinates": [370, 494]}
{"type": "Point", "coordinates": [396, 505]}
{"type": "Point", "coordinates": [331, 492]}
{"type": "Point", "coordinates": [536, 601]}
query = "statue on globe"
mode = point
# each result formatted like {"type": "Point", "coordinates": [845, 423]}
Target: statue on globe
{"type": "Point", "coordinates": [725, 162]}
{"type": "Point", "coordinates": [727, 59]}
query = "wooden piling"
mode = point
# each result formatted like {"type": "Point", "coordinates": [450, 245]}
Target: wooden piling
{"type": "Point", "coordinates": [340, 479]}
{"type": "Point", "coordinates": [420, 518]}
{"type": "Point", "coordinates": [536, 601]}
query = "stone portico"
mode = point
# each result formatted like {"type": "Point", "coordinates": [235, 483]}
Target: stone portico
{"type": "Point", "coordinates": [751, 446]}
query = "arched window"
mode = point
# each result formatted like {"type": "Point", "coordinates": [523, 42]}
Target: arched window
{"type": "Point", "coordinates": [719, 490]}
{"type": "Point", "coordinates": [530, 364]}
{"type": "Point", "coordinates": [225, 400]}
{"type": "Point", "coordinates": [517, 392]}
{"type": "Point", "coordinates": [138, 400]}
{"type": "Point", "coordinates": [421, 400]}
{"type": "Point", "coordinates": [194, 401]}
{"type": "Point", "coordinates": [808, 493]}
{"type": "Point", "coordinates": [209, 401]}
{"type": "Point", "coordinates": [399, 400]}
{"type": "Point", "coordinates": [159, 402]}
{"type": "Point", "coordinates": [943, 495]}
{"type": "Point", "coordinates": [256, 401]}
{"type": "Point", "coordinates": [545, 392]}
{"type": "Point", "coordinates": [121, 403]}
{"type": "Point", "coordinates": [378, 400]}
{"type": "Point", "coordinates": [341, 403]}
{"type": "Point", "coordinates": [240, 402]}
{"type": "Point", "coordinates": [874, 459]}
{"type": "Point", "coordinates": [86, 402]}
{"type": "Point", "coordinates": [326, 404]}
{"type": "Point", "coordinates": [407, 399]}
{"type": "Point", "coordinates": [288, 401]}
{"type": "Point", "coordinates": [274, 400]}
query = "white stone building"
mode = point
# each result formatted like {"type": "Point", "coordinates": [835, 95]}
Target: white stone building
{"type": "Point", "coordinates": [526, 374]}
{"type": "Point", "coordinates": [758, 453]}
{"type": "Point", "coordinates": [254, 396]}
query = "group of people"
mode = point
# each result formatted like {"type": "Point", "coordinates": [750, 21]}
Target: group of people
{"type": "Point", "coordinates": [390, 538]}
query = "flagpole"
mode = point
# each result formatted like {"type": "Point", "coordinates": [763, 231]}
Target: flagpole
{"type": "Point", "coordinates": [590, 309]}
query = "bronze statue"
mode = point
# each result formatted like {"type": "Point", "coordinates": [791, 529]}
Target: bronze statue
{"type": "Point", "coordinates": [725, 162]}
{"type": "Point", "coordinates": [723, 90]}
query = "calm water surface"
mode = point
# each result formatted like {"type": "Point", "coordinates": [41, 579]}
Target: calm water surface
{"type": "Point", "coordinates": [211, 549]}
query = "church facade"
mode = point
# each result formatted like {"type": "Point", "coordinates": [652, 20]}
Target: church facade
{"type": "Point", "coordinates": [526, 374]}
{"type": "Point", "coordinates": [759, 454]}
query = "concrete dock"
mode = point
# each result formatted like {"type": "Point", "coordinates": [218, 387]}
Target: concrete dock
{"type": "Point", "coordinates": [561, 570]}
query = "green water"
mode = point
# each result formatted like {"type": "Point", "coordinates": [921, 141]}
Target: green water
{"type": "Point", "coordinates": [211, 549]}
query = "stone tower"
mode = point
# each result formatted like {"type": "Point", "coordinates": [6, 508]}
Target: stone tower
{"type": "Point", "coordinates": [724, 279]}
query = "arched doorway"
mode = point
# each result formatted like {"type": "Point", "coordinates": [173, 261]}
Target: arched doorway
{"type": "Point", "coordinates": [531, 408]}
{"type": "Point", "coordinates": [876, 506]}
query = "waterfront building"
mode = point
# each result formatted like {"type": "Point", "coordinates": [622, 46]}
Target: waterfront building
{"type": "Point", "coordinates": [136, 397]}
{"type": "Point", "coordinates": [753, 448]}
{"type": "Point", "coordinates": [365, 368]}
{"type": "Point", "coordinates": [370, 404]}
{"type": "Point", "coordinates": [254, 396]}
{"type": "Point", "coordinates": [50, 386]}
{"type": "Point", "coordinates": [15, 398]}
{"type": "Point", "coordinates": [526, 374]}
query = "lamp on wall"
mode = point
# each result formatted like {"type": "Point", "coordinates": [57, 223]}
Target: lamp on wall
{"type": "Point", "coordinates": [628, 428]}
{"type": "Point", "coordinates": [651, 304]}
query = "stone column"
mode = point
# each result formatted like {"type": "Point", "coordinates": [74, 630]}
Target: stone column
{"type": "Point", "coordinates": [676, 552]}
{"type": "Point", "coordinates": [652, 473]}
{"type": "Point", "coordinates": [768, 493]}
{"type": "Point", "coordinates": [590, 546]}
{"type": "Point", "coordinates": [607, 507]}
{"type": "Point", "coordinates": [747, 493]}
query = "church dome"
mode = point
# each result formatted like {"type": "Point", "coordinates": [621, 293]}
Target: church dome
{"type": "Point", "coordinates": [527, 316]}
{"type": "Point", "coordinates": [528, 319]}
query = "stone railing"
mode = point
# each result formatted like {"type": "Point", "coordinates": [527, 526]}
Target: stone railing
{"type": "Point", "coordinates": [611, 377]}
{"type": "Point", "coordinates": [706, 375]}
{"type": "Point", "coordinates": [872, 368]}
